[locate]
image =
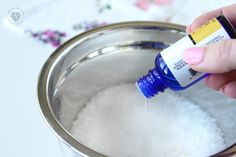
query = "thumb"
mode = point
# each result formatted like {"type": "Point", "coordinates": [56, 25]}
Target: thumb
{"type": "Point", "coordinates": [215, 58]}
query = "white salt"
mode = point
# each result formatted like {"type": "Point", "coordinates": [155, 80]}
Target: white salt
{"type": "Point", "coordinates": [118, 122]}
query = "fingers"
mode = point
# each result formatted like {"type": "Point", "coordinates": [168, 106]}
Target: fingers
{"type": "Point", "coordinates": [217, 81]}
{"type": "Point", "coordinates": [225, 83]}
{"type": "Point", "coordinates": [229, 89]}
{"type": "Point", "coordinates": [216, 58]}
{"type": "Point", "coordinates": [203, 19]}
{"type": "Point", "coordinates": [228, 12]}
{"type": "Point", "coordinates": [219, 58]}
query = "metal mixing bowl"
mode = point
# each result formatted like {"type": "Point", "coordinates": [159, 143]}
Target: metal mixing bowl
{"type": "Point", "coordinates": [111, 55]}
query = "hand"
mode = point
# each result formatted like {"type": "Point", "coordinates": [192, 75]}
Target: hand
{"type": "Point", "coordinates": [219, 59]}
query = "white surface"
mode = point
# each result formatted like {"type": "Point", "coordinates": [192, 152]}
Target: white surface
{"type": "Point", "coordinates": [23, 132]}
{"type": "Point", "coordinates": [63, 15]}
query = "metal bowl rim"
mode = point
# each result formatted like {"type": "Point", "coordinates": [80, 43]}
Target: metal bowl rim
{"type": "Point", "coordinates": [44, 76]}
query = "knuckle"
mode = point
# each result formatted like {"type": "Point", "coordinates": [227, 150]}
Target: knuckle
{"type": "Point", "coordinates": [225, 50]}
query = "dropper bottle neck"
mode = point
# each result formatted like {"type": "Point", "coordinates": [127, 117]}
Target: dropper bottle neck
{"type": "Point", "coordinates": [151, 84]}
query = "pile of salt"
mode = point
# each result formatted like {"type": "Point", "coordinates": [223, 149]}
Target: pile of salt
{"type": "Point", "coordinates": [118, 121]}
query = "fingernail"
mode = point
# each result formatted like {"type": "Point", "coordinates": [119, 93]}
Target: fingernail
{"type": "Point", "coordinates": [222, 89]}
{"type": "Point", "coordinates": [188, 29]}
{"type": "Point", "coordinates": [193, 55]}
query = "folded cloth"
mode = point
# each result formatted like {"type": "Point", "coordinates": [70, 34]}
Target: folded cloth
{"type": "Point", "coordinates": [54, 22]}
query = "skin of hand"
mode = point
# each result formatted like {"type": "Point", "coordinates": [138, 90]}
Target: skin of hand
{"type": "Point", "coordinates": [218, 59]}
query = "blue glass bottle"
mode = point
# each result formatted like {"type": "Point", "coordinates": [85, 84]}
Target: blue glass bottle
{"type": "Point", "coordinates": [161, 77]}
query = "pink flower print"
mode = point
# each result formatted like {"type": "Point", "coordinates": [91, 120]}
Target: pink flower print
{"type": "Point", "coordinates": [163, 2]}
{"type": "Point", "coordinates": [49, 36]}
{"type": "Point", "coordinates": [143, 4]}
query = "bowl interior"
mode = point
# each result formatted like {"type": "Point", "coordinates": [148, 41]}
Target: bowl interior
{"type": "Point", "coordinates": [119, 54]}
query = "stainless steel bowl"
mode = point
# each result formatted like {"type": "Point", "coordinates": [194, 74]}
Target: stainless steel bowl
{"type": "Point", "coordinates": [112, 55]}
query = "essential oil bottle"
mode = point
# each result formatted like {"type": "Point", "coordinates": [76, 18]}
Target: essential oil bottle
{"type": "Point", "coordinates": [171, 71]}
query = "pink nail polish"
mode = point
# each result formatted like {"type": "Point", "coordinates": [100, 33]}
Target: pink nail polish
{"type": "Point", "coordinates": [193, 55]}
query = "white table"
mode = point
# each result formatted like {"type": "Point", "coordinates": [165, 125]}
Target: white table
{"type": "Point", "coordinates": [23, 132]}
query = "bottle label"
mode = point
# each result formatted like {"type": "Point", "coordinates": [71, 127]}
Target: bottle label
{"type": "Point", "coordinates": [209, 33]}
